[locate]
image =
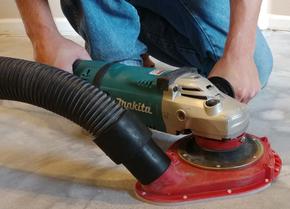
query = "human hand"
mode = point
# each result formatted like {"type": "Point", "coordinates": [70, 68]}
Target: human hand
{"type": "Point", "coordinates": [147, 62]}
{"type": "Point", "coordinates": [59, 52]}
{"type": "Point", "coordinates": [242, 74]}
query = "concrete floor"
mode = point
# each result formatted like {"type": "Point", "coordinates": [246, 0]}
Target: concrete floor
{"type": "Point", "coordinates": [49, 162]}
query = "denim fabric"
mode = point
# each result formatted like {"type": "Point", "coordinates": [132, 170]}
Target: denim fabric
{"type": "Point", "coordinates": [177, 32]}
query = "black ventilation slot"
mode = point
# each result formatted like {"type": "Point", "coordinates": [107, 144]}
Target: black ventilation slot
{"type": "Point", "coordinates": [191, 89]}
{"type": "Point", "coordinates": [195, 96]}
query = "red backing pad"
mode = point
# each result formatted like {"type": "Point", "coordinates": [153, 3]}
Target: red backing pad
{"type": "Point", "coordinates": [184, 182]}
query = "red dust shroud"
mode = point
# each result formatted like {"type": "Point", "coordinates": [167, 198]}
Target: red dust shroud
{"type": "Point", "coordinates": [199, 173]}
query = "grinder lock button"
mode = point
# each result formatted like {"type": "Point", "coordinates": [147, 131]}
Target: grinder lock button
{"type": "Point", "coordinates": [213, 107]}
{"type": "Point", "coordinates": [212, 102]}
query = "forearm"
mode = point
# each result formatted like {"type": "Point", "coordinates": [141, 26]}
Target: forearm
{"type": "Point", "coordinates": [243, 25]}
{"type": "Point", "coordinates": [37, 19]}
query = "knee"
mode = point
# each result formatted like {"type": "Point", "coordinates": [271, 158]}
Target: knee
{"type": "Point", "coordinates": [264, 60]}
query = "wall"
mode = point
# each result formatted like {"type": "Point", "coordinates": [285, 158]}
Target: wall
{"type": "Point", "coordinates": [8, 9]}
{"type": "Point", "coordinates": [11, 23]}
{"type": "Point", "coordinates": [279, 15]}
{"type": "Point", "coordinates": [275, 14]}
{"type": "Point", "coordinates": [280, 7]}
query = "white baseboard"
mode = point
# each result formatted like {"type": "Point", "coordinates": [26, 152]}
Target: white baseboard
{"type": "Point", "coordinates": [15, 27]}
{"type": "Point", "coordinates": [263, 21]}
{"type": "Point", "coordinates": [279, 22]}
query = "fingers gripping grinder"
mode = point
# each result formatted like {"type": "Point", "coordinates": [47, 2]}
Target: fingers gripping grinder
{"type": "Point", "coordinates": [218, 159]}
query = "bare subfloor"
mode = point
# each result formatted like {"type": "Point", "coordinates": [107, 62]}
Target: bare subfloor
{"type": "Point", "coordinates": [48, 162]}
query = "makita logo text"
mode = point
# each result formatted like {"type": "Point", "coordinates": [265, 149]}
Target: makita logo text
{"type": "Point", "coordinates": [140, 107]}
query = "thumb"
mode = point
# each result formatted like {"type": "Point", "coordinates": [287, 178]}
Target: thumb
{"type": "Point", "coordinates": [84, 55]}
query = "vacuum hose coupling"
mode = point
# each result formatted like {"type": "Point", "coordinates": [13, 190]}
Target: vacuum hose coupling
{"type": "Point", "coordinates": [117, 132]}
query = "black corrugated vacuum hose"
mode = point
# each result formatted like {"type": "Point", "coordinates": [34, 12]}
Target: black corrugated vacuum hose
{"type": "Point", "coordinates": [117, 131]}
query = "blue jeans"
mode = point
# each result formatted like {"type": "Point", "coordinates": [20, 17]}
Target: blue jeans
{"type": "Point", "coordinates": [177, 32]}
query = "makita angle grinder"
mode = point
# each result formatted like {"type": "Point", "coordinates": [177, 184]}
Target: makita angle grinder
{"type": "Point", "coordinates": [218, 159]}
